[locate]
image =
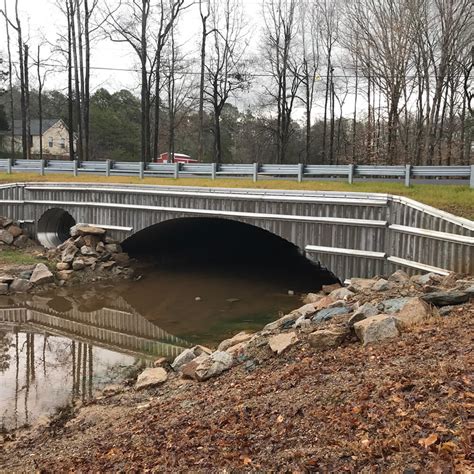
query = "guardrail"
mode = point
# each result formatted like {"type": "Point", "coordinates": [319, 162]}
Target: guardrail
{"type": "Point", "coordinates": [297, 171]}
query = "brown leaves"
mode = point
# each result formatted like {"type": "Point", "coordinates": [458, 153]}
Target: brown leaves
{"type": "Point", "coordinates": [429, 441]}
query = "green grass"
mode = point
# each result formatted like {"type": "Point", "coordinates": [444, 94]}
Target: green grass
{"type": "Point", "coordinates": [456, 199]}
{"type": "Point", "coordinates": [18, 257]}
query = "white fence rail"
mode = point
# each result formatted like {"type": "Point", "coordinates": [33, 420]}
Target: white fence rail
{"type": "Point", "coordinates": [254, 170]}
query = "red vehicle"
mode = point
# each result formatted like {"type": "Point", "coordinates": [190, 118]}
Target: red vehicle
{"type": "Point", "coordinates": [178, 158]}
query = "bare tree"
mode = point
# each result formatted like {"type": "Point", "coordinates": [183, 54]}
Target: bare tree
{"type": "Point", "coordinates": [226, 69]}
{"type": "Point", "coordinates": [280, 31]}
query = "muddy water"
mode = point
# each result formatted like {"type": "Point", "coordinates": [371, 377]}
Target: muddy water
{"type": "Point", "coordinates": [69, 343]}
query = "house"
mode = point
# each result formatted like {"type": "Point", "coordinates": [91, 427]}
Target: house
{"type": "Point", "coordinates": [178, 158]}
{"type": "Point", "coordinates": [55, 137]}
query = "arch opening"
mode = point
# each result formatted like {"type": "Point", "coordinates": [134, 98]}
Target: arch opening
{"type": "Point", "coordinates": [228, 247]}
{"type": "Point", "coordinates": [54, 227]}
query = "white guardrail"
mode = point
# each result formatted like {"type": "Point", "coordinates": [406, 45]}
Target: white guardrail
{"type": "Point", "coordinates": [254, 170]}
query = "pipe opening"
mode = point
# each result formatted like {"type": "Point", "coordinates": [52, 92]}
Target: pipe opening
{"type": "Point", "coordinates": [54, 227]}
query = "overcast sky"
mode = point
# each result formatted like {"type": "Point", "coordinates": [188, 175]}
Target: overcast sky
{"type": "Point", "coordinates": [42, 19]}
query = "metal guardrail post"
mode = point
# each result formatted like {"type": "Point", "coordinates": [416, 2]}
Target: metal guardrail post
{"type": "Point", "coordinates": [300, 172]}
{"type": "Point", "coordinates": [142, 169]}
{"type": "Point", "coordinates": [75, 166]}
{"type": "Point", "coordinates": [407, 175]}
{"type": "Point", "coordinates": [471, 181]}
{"type": "Point", "coordinates": [107, 168]}
{"type": "Point", "coordinates": [176, 170]}
{"type": "Point", "coordinates": [350, 177]}
{"type": "Point", "coordinates": [42, 166]}
{"type": "Point", "coordinates": [255, 172]}
{"type": "Point", "coordinates": [213, 170]}
{"type": "Point", "coordinates": [9, 165]}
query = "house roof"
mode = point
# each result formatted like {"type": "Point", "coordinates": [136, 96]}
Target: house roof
{"type": "Point", "coordinates": [34, 125]}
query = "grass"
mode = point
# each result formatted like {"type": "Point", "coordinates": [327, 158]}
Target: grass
{"type": "Point", "coordinates": [18, 257]}
{"type": "Point", "coordinates": [456, 199]}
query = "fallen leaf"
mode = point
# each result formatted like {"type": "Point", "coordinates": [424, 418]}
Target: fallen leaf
{"type": "Point", "coordinates": [429, 441]}
{"type": "Point", "coordinates": [246, 460]}
{"type": "Point", "coordinates": [280, 419]}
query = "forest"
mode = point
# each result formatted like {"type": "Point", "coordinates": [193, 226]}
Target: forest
{"type": "Point", "coordinates": [312, 81]}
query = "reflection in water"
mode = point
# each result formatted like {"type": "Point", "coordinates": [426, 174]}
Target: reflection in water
{"type": "Point", "coordinates": [67, 343]}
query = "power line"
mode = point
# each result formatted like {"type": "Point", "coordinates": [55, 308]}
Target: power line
{"type": "Point", "coordinates": [197, 73]}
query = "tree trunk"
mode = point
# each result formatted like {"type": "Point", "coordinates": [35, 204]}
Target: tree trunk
{"type": "Point", "coordinates": [27, 103]}
{"type": "Point", "coordinates": [40, 105]}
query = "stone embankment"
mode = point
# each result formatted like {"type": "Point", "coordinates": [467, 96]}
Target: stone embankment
{"type": "Point", "coordinates": [89, 255]}
{"type": "Point", "coordinates": [365, 312]}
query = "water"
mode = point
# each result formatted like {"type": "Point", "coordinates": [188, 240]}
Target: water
{"type": "Point", "coordinates": [69, 343]}
{"type": "Point", "coordinates": [201, 280]}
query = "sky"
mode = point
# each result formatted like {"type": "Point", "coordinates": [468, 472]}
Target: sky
{"type": "Point", "coordinates": [111, 62]}
{"type": "Point", "coordinates": [42, 20]}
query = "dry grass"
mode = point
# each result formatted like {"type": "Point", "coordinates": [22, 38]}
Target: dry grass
{"type": "Point", "coordinates": [456, 199]}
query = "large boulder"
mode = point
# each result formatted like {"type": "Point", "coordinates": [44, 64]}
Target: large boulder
{"type": "Point", "coordinates": [283, 341]}
{"type": "Point", "coordinates": [151, 377]}
{"type": "Point", "coordinates": [413, 312]}
{"type": "Point", "coordinates": [207, 366]}
{"type": "Point", "coordinates": [447, 298]}
{"type": "Point", "coordinates": [14, 230]}
{"type": "Point", "coordinates": [6, 237]}
{"type": "Point", "coordinates": [376, 328]}
{"type": "Point", "coordinates": [325, 339]}
{"type": "Point", "coordinates": [426, 279]}
{"type": "Point", "coordinates": [41, 275]}
{"type": "Point", "coordinates": [237, 339]}
{"type": "Point", "coordinates": [188, 355]}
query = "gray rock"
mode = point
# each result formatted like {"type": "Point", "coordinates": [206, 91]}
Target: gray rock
{"type": "Point", "coordinates": [213, 365]}
{"type": "Point", "coordinates": [326, 339]}
{"type": "Point", "coordinates": [413, 312]}
{"type": "Point", "coordinates": [41, 275]}
{"type": "Point", "coordinates": [383, 285]}
{"type": "Point", "coordinates": [26, 274]}
{"type": "Point", "coordinates": [329, 313]}
{"type": "Point", "coordinates": [425, 279]}
{"type": "Point", "coordinates": [188, 355]}
{"type": "Point", "coordinates": [3, 288]}
{"type": "Point", "coordinates": [5, 278]}
{"type": "Point", "coordinates": [78, 264]}
{"type": "Point", "coordinates": [20, 285]}
{"type": "Point", "coordinates": [447, 298]}
{"type": "Point", "coordinates": [5, 221]}
{"type": "Point", "coordinates": [283, 341]}
{"type": "Point", "coordinates": [151, 377]}
{"type": "Point", "coordinates": [68, 253]}
{"type": "Point", "coordinates": [288, 320]}
{"type": "Point", "coordinates": [6, 237]}
{"type": "Point", "coordinates": [399, 277]}
{"type": "Point", "coordinates": [100, 247]}
{"type": "Point", "coordinates": [393, 305]}
{"type": "Point", "coordinates": [376, 328]}
{"type": "Point", "coordinates": [88, 251]}
{"type": "Point", "coordinates": [363, 312]}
